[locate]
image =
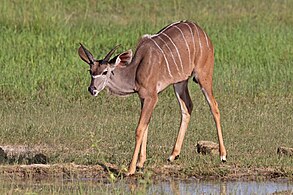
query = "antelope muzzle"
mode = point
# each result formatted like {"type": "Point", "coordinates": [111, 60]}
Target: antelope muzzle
{"type": "Point", "coordinates": [93, 91]}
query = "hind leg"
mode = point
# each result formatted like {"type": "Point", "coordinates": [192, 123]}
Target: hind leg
{"type": "Point", "coordinates": [216, 114]}
{"type": "Point", "coordinates": [204, 79]}
{"type": "Point", "coordinates": [183, 97]}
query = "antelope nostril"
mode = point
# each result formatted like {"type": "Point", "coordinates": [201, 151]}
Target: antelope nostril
{"type": "Point", "coordinates": [91, 89]}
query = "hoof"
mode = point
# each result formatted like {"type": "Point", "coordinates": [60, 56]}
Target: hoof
{"type": "Point", "coordinates": [139, 170]}
{"type": "Point", "coordinates": [128, 174]}
{"type": "Point", "coordinates": [172, 158]}
{"type": "Point", "coordinates": [223, 158]}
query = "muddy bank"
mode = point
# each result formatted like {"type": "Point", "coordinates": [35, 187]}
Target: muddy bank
{"type": "Point", "coordinates": [109, 173]}
{"type": "Point", "coordinates": [22, 162]}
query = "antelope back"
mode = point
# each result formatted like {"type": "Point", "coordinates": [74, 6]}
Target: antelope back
{"type": "Point", "coordinates": [180, 46]}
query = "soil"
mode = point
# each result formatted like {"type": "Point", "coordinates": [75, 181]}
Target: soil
{"type": "Point", "coordinates": [109, 172]}
{"type": "Point", "coordinates": [35, 167]}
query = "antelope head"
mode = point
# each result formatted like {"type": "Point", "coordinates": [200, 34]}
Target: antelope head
{"type": "Point", "coordinates": [101, 70]}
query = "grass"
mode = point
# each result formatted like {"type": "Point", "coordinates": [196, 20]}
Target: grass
{"type": "Point", "coordinates": [56, 187]}
{"type": "Point", "coordinates": [40, 39]}
{"type": "Point", "coordinates": [43, 83]}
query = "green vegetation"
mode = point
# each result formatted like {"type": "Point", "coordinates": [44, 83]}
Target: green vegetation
{"type": "Point", "coordinates": [43, 83]}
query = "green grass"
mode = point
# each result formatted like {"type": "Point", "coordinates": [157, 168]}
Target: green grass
{"type": "Point", "coordinates": [43, 83]}
{"type": "Point", "coordinates": [39, 41]}
{"type": "Point", "coordinates": [66, 187]}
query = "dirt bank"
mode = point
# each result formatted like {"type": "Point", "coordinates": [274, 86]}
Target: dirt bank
{"type": "Point", "coordinates": [109, 172]}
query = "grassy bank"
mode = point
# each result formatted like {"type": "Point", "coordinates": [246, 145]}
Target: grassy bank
{"type": "Point", "coordinates": [43, 83]}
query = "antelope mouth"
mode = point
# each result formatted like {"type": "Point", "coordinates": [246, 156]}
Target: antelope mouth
{"type": "Point", "coordinates": [93, 91]}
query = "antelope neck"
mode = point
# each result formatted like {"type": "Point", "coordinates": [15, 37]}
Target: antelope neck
{"type": "Point", "coordinates": [123, 81]}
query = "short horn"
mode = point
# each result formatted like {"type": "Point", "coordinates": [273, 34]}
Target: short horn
{"type": "Point", "coordinates": [108, 56]}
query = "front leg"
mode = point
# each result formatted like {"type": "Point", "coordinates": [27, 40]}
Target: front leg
{"type": "Point", "coordinates": [142, 156]}
{"type": "Point", "coordinates": [148, 105]}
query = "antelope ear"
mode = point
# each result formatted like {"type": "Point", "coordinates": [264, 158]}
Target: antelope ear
{"type": "Point", "coordinates": [85, 55]}
{"type": "Point", "coordinates": [122, 59]}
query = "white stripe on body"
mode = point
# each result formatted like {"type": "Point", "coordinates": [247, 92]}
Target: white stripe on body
{"type": "Point", "coordinates": [199, 41]}
{"type": "Point", "coordinates": [167, 63]}
{"type": "Point", "coordinates": [185, 43]}
{"type": "Point", "coordinates": [179, 56]}
{"type": "Point", "coordinates": [193, 41]}
{"type": "Point", "coordinates": [162, 32]}
{"type": "Point", "coordinates": [205, 35]}
{"type": "Point", "coordinates": [171, 54]}
{"type": "Point", "coordinates": [167, 27]}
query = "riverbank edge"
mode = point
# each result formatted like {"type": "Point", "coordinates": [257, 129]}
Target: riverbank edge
{"type": "Point", "coordinates": [109, 173]}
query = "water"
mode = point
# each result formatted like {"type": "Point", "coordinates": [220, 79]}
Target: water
{"type": "Point", "coordinates": [237, 187]}
{"type": "Point", "coordinates": [171, 187]}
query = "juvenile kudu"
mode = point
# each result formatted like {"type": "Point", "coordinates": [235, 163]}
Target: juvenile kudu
{"type": "Point", "coordinates": [177, 52]}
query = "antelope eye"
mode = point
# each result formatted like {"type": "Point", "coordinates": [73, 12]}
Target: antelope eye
{"type": "Point", "coordinates": [105, 72]}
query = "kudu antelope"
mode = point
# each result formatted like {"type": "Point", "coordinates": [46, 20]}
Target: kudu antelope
{"type": "Point", "coordinates": [177, 52]}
